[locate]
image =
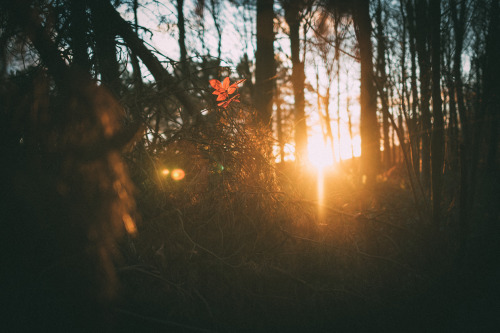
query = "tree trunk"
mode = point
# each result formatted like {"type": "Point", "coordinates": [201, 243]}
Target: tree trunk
{"type": "Point", "coordinates": [279, 123]}
{"type": "Point", "coordinates": [492, 87]}
{"type": "Point", "coordinates": [105, 47]}
{"type": "Point", "coordinates": [328, 120]}
{"type": "Point", "coordinates": [349, 120]}
{"type": "Point", "coordinates": [133, 57]}
{"type": "Point", "coordinates": [265, 68]}
{"type": "Point", "coordinates": [404, 92]}
{"type": "Point", "coordinates": [422, 45]}
{"type": "Point", "coordinates": [452, 151]}
{"type": "Point", "coordinates": [458, 19]}
{"type": "Point", "coordinates": [292, 17]}
{"type": "Point", "coordinates": [414, 123]}
{"type": "Point", "coordinates": [79, 29]}
{"type": "Point", "coordinates": [182, 36]}
{"type": "Point", "coordinates": [369, 130]}
{"type": "Point", "coordinates": [437, 144]}
{"type": "Point", "coordinates": [382, 82]}
{"type": "Point", "coordinates": [215, 16]}
{"type": "Point", "coordinates": [398, 152]}
{"type": "Point", "coordinates": [339, 140]}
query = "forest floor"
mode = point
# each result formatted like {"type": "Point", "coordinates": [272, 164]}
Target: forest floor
{"type": "Point", "coordinates": [362, 259]}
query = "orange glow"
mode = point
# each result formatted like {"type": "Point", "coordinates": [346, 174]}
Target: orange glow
{"type": "Point", "coordinates": [129, 224]}
{"type": "Point", "coordinates": [178, 174]}
{"type": "Point", "coordinates": [165, 172]}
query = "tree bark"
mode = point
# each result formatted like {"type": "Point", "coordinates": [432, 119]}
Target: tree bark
{"type": "Point", "coordinates": [437, 143]}
{"type": "Point", "coordinates": [265, 68]}
{"type": "Point", "coordinates": [137, 74]}
{"type": "Point", "coordinates": [492, 87]}
{"type": "Point", "coordinates": [458, 19]}
{"type": "Point", "coordinates": [79, 29]}
{"type": "Point", "coordinates": [369, 130]}
{"type": "Point", "coordinates": [105, 46]}
{"type": "Point", "coordinates": [182, 36]}
{"type": "Point", "coordinates": [293, 19]}
{"type": "Point", "coordinates": [382, 81]}
{"type": "Point", "coordinates": [414, 123]}
{"type": "Point", "coordinates": [422, 46]}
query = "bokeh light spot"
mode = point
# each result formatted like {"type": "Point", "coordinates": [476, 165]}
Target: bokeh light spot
{"type": "Point", "coordinates": [129, 224]}
{"type": "Point", "coordinates": [165, 172]}
{"type": "Point", "coordinates": [178, 174]}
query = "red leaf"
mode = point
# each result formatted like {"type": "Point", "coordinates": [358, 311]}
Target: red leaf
{"type": "Point", "coordinates": [225, 83]}
{"type": "Point", "coordinates": [222, 97]}
{"type": "Point", "coordinates": [215, 84]}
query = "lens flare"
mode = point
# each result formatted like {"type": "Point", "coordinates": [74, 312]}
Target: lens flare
{"type": "Point", "coordinates": [178, 174]}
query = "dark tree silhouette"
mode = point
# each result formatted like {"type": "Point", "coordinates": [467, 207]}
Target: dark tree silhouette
{"type": "Point", "coordinates": [265, 69]}
{"type": "Point", "coordinates": [293, 17]}
{"type": "Point", "coordinates": [370, 138]}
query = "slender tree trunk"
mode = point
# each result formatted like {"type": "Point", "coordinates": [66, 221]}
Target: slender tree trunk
{"type": "Point", "coordinates": [133, 57]}
{"type": "Point", "coordinates": [492, 87]}
{"type": "Point", "coordinates": [415, 137]}
{"type": "Point", "coordinates": [369, 129]}
{"type": "Point", "coordinates": [182, 37]}
{"type": "Point", "coordinates": [105, 47]}
{"type": "Point", "coordinates": [265, 68]}
{"type": "Point", "coordinates": [476, 123]}
{"type": "Point", "coordinates": [79, 29]}
{"type": "Point", "coordinates": [422, 44]}
{"type": "Point", "coordinates": [339, 140]}
{"type": "Point", "coordinates": [402, 144]}
{"type": "Point", "coordinates": [404, 93]}
{"type": "Point", "coordinates": [452, 150]}
{"type": "Point", "coordinates": [215, 15]}
{"type": "Point", "coordinates": [382, 81]}
{"type": "Point", "coordinates": [458, 19]}
{"type": "Point", "coordinates": [325, 119]}
{"type": "Point", "coordinates": [437, 144]}
{"type": "Point", "coordinates": [328, 120]}
{"type": "Point", "coordinates": [292, 17]}
{"type": "Point", "coordinates": [349, 119]}
{"type": "Point", "coordinates": [279, 123]}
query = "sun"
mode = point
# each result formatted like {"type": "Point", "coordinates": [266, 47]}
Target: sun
{"type": "Point", "coordinates": [319, 153]}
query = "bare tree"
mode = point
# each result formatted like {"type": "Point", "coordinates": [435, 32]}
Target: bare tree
{"type": "Point", "coordinates": [265, 68]}
{"type": "Point", "coordinates": [293, 17]}
{"type": "Point", "coordinates": [382, 83]}
{"type": "Point", "coordinates": [437, 143]}
{"type": "Point", "coordinates": [370, 151]}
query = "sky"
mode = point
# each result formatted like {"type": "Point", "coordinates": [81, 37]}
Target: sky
{"type": "Point", "coordinates": [238, 38]}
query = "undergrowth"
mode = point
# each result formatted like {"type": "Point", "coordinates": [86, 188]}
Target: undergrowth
{"type": "Point", "coordinates": [240, 244]}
